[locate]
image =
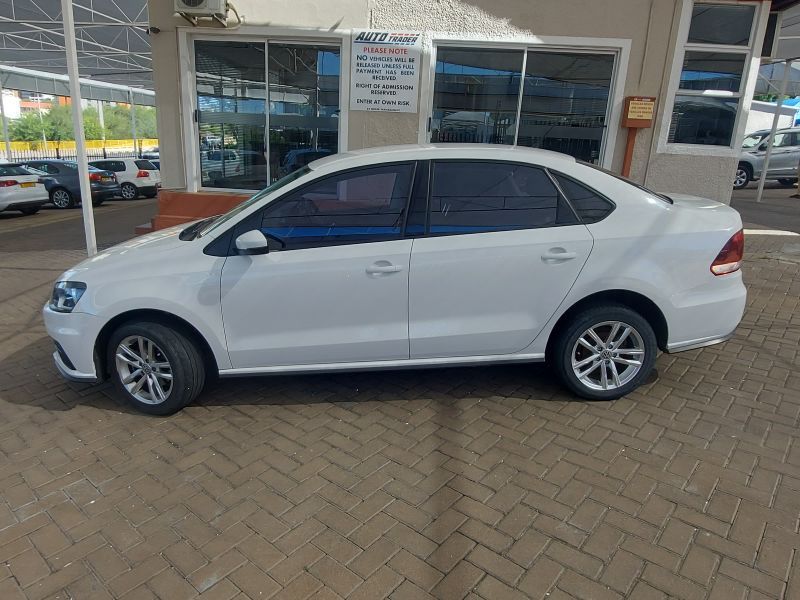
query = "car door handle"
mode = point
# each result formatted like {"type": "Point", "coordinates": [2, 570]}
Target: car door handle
{"type": "Point", "coordinates": [383, 267]}
{"type": "Point", "coordinates": [558, 255]}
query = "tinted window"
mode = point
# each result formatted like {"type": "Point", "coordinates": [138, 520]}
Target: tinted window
{"type": "Point", "coordinates": [721, 24]}
{"type": "Point", "coordinates": [51, 169]}
{"type": "Point", "coordinates": [590, 206]}
{"type": "Point", "coordinates": [146, 165]}
{"type": "Point", "coordinates": [473, 197]}
{"type": "Point", "coordinates": [364, 205]}
{"type": "Point", "coordinates": [9, 170]}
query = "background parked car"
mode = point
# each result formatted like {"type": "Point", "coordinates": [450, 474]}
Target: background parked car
{"type": "Point", "coordinates": [156, 163]}
{"type": "Point", "coordinates": [151, 154]}
{"type": "Point", "coordinates": [135, 176]}
{"type": "Point", "coordinates": [63, 184]}
{"type": "Point", "coordinates": [782, 163]}
{"type": "Point", "coordinates": [21, 189]}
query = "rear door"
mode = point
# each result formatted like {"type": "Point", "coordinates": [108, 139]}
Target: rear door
{"type": "Point", "coordinates": [785, 154]}
{"type": "Point", "coordinates": [500, 250]}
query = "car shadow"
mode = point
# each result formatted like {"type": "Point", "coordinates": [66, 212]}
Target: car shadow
{"type": "Point", "coordinates": [530, 381]}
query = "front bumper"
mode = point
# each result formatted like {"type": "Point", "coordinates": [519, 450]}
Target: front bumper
{"type": "Point", "coordinates": [75, 333]}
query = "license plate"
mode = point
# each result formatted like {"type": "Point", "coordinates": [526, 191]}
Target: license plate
{"type": "Point", "coordinates": [105, 179]}
{"type": "Point", "coordinates": [27, 184]}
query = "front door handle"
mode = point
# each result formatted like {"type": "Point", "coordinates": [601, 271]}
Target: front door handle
{"type": "Point", "coordinates": [558, 255]}
{"type": "Point", "coordinates": [383, 267]}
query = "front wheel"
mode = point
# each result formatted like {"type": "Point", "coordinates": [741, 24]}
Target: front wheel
{"type": "Point", "coordinates": [605, 352]}
{"type": "Point", "coordinates": [30, 211]}
{"type": "Point", "coordinates": [155, 368]}
{"type": "Point", "coordinates": [129, 191]}
{"type": "Point", "coordinates": [742, 176]}
{"type": "Point", "coordinates": [61, 198]}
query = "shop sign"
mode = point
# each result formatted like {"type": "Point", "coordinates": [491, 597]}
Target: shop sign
{"type": "Point", "coordinates": [385, 71]}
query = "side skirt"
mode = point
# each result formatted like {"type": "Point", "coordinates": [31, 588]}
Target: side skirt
{"type": "Point", "coordinates": [417, 363]}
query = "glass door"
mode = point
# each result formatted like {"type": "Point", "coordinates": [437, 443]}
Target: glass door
{"type": "Point", "coordinates": [264, 109]}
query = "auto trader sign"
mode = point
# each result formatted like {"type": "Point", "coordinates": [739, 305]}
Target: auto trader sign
{"type": "Point", "coordinates": [386, 68]}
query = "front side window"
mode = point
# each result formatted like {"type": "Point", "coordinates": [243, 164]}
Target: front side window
{"type": "Point", "coordinates": [713, 69]}
{"type": "Point", "coordinates": [363, 205]}
{"type": "Point", "coordinates": [477, 197]}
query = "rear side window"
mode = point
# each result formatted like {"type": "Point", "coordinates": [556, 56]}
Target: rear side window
{"type": "Point", "coordinates": [590, 206]}
{"type": "Point", "coordinates": [363, 205]}
{"type": "Point", "coordinates": [474, 197]}
{"type": "Point", "coordinates": [145, 165]}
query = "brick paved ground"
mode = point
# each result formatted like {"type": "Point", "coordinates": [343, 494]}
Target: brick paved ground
{"type": "Point", "coordinates": [482, 483]}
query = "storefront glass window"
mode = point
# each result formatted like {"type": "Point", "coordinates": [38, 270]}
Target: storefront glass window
{"type": "Point", "coordinates": [476, 93]}
{"type": "Point", "coordinates": [715, 56]}
{"type": "Point", "coordinates": [565, 102]}
{"type": "Point", "coordinates": [251, 133]}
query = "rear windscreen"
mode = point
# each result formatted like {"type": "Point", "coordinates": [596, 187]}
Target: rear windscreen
{"type": "Point", "coordinates": [145, 165]}
{"type": "Point", "coordinates": [7, 170]}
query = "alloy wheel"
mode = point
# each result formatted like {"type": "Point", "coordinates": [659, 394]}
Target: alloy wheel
{"type": "Point", "coordinates": [741, 178]}
{"type": "Point", "coordinates": [61, 198]}
{"type": "Point", "coordinates": [143, 369]}
{"type": "Point", "coordinates": [608, 355]}
{"type": "Point", "coordinates": [128, 192]}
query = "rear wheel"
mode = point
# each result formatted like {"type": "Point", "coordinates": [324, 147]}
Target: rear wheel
{"type": "Point", "coordinates": [155, 368]}
{"type": "Point", "coordinates": [30, 211]}
{"type": "Point", "coordinates": [129, 191]}
{"type": "Point", "coordinates": [743, 175]}
{"type": "Point", "coordinates": [61, 198]}
{"type": "Point", "coordinates": [605, 352]}
{"type": "Point", "coordinates": [787, 182]}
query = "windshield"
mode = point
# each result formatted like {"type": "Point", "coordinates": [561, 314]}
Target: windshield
{"type": "Point", "coordinates": [752, 140]}
{"type": "Point", "coordinates": [222, 219]}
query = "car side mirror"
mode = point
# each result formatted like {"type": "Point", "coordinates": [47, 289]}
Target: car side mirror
{"type": "Point", "coordinates": [252, 243]}
{"type": "Point", "coordinates": [763, 146]}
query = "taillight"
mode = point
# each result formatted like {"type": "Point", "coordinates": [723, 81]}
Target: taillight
{"type": "Point", "coordinates": [143, 173]}
{"type": "Point", "coordinates": [95, 177]}
{"type": "Point", "coordinates": [8, 182]}
{"type": "Point", "coordinates": [729, 259]}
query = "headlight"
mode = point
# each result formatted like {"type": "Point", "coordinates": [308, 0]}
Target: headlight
{"type": "Point", "coordinates": [66, 295]}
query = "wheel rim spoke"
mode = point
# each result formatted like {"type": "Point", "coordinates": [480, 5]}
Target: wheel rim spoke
{"type": "Point", "coordinates": [589, 371]}
{"type": "Point", "coordinates": [585, 361]}
{"type": "Point", "coordinates": [614, 374]}
{"type": "Point", "coordinates": [599, 360]}
{"type": "Point", "coordinates": [604, 376]}
{"type": "Point", "coordinates": [132, 376]}
{"type": "Point", "coordinates": [593, 334]}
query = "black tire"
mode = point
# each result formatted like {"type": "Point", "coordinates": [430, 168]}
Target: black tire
{"type": "Point", "coordinates": [179, 351]}
{"type": "Point", "coordinates": [62, 198]}
{"type": "Point", "coordinates": [787, 182]}
{"type": "Point", "coordinates": [30, 211]}
{"type": "Point", "coordinates": [563, 346]}
{"type": "Point", "coordinates": [151, 195]}
{"type": "Point", "coordinates": [129, 191]}
{"type": "Point", "coordinates": [743, 176]}
{"type": "Point", "coordinates": [97, 202]}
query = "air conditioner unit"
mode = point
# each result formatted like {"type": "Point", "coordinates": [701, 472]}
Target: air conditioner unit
{"type": "Point", "coordinates": [202, 8]}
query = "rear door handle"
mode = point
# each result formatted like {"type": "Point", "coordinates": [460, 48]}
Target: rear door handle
{"type": "Point", "coordinates": [382, 267]}
{"type": "Point", "coordinates": [557, 255]}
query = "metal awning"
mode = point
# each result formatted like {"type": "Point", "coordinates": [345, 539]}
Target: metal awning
{"type": "Point", "coordinates": [111, 39]}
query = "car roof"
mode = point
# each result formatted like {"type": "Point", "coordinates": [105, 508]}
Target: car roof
{"type": "Point", "coordinates": [439, 151]}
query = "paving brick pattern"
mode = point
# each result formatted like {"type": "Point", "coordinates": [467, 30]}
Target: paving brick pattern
{"type": "Point", "coordinates": [486, 483]}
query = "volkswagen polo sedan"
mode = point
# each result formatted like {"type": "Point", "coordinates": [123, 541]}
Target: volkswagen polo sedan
{"type": "Point", "coordinates": [408, 257]}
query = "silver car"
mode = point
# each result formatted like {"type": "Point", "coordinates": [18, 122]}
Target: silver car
{"type": "Point", "coordinates": [782, 164]}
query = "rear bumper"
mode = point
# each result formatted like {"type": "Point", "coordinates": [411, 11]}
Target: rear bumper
{"type": "Point", "coordinates": [105, 193]}
{"type": "Point", "coordinates": [149, 189]}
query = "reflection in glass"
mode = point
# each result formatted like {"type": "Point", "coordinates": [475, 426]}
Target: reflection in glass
{"type": "Point", "coordinates": [231, 102]}
{"type": "Point", "coordinates": [565, 101]}
{"type": "Point", "coordinates": [303, 105]}
{"type": "Point", "coordinates": [712, 71]}
{"type": "Point", "coordinates": [476, 92]}
{"type": "Point", "coordinates": [703, 120]}
{"type": "Point", "coordinates": [727, 24]}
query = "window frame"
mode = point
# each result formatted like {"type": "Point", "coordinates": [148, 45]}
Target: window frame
{"type": "Point", "coordinates": [428, 196]}
{"type": "Point", "coordinates": [187, 36]}
{"type": "Point", "coordinates": [554, 174]}
{"type": "Point", "coordinates": [751, 52]}
{"type": "Point", "coordinates": [258, 216]}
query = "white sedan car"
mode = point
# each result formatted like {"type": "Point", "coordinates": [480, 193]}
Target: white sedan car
{"type": "Point", "coordinates": [406, 257]}
{"type": "Point", "coordinates": [21, 189]}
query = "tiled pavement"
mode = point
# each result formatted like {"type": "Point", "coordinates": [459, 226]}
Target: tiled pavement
{"type": "Point", "coordinates": [482, 483]}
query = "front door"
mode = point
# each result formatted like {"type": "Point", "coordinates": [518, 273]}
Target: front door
{"type": "Point", "coordinates": [501, 252]}
{"type": "Point", "coordinates": [785, 154]}
{"type": "Point", "coordinates": [334, 286]}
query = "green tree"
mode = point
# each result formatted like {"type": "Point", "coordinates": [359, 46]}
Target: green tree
{"type": "Point", "coordinates": [118, 122]}
{"type": "Point", "coordinates": [28, 128]}
{"type": "Point", "coordinates": [58, 123]}
{"type": "Point", "coordinates": [91, 124]}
